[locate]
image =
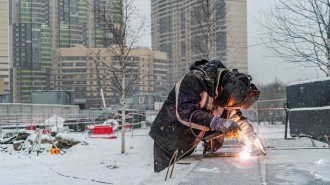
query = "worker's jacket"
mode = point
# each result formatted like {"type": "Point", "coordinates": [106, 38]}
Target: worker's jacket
{"type": "Point", "coordinates": [169, 133]}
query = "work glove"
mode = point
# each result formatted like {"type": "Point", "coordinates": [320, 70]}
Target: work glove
{"type": "Point", "coordinates": [247, 136]}
{"type": "Point", "coordinates": [257, 143]}
{"type": "Point", "coordinates": [253, 141]}
{"type": "Point", "coordinates": [226, 126]}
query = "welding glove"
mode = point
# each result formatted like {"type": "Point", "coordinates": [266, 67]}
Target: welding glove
{"type": "Point", "coordinates": [224, 125]}
{"type": "Point", "coordinates": [248, 137]}
{"type": "Point", "coordinates": [252, 138]}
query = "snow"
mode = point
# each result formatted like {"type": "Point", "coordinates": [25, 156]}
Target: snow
{"type": "Point", "coordinates": [27, 131]}
{"type": "Point", "coordinates": [73, 137]}
{"type": "Point", "coordinates": [212, 170]}
{"type": "Point", "coordinates": [32, 137]}
{"type": "Point", "coordinates": [309, 81]}
{"type": "Point", "coordinates": [322, 161]}
{"type": "Point", "coordinates": [100, 161]}
{"type": "Point", "coordinates": [114, 123]}
{"type": "Point", "coordinates": [311, 108]}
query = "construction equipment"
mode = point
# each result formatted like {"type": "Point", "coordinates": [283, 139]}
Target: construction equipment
{"type": "Point", "coordinates": [37, 141]}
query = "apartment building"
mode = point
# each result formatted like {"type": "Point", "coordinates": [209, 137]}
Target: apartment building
{"type": "Point", "coordinates": [38, 27]}
{"type": "Point", "coordinates": [86, 70]}
{"type": "Point", "coordinates": [176, 31]}
{"type": "Point", "coordinates": [4, 65]}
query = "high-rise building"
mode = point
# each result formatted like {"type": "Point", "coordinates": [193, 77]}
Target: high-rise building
{"type": "Point", "coordinates": [4, 67]}
{"type": "Point", "coordinates": [186, 33]}
{"type": "Point", "coordinates": [38, 28]}
{"type": "Point", "coordinates": [86, 70]}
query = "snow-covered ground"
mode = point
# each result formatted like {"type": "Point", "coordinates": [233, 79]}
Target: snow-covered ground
{"type": "Point", "coordinates": [100, 162]}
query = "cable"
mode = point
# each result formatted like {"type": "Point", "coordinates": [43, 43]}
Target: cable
{"type": "Point", "coordinates": [192, 131]}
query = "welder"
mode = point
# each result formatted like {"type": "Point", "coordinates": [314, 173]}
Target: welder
{"type": "Point", "coordinates": [208, 99]}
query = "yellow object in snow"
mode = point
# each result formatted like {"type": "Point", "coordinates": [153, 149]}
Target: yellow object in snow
{"type": "Point", "coordinates": [55, 151]}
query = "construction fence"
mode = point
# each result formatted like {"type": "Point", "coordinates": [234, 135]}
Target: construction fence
{"type": "Point", "coordinates": [36, 109]}
{"type": "Point", "coordinates": [269, 111]}
{"type": "Point", "coordinates": [75, 120]}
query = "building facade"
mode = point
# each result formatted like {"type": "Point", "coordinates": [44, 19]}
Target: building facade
{"type": "Point", "coordinates": [4, 65]}
{"type": "Point", "coordinates": [86, 70]}
{"type": "Point", "coordinates": [186, 33]}
{"type": "Point", "coordinates": [38, 28]}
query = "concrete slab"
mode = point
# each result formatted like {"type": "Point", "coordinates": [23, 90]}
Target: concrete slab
{"type": "Point", "coordinates": [224, 170]}
{"type": "Point", "coordinates": [224, 167]}
{"type": "Point", "coordinates": [288, 173]}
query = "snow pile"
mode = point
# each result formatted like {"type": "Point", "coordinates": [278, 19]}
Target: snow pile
{"type": "Point", "coordinates": [114, 123]}
{"type": "Point", "coordinates": [59, 129]}
{"type": "Point", "coordinates": [72, 137]}
{"type": "Point", "coordinates": [55, 121]}
{"type": "Point", "coordinates": [19, 141]}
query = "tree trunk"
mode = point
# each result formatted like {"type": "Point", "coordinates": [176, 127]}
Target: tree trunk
{"type": "Point", "coordinates": [123, 95]}
{"type": "Point", "coordinates": [123, 100]}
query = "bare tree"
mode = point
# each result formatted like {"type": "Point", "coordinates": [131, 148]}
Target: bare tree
{"type": "Point", "coordinates": [121, 26]}
{"type": "Point", "coordinates": [212, 31]}
{"type": "Point", "coordinates": [298, 32]}
{"type": "Point", "coordinates": [206, 30]}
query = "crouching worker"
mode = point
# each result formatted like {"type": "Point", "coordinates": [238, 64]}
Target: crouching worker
{"type": "Point", "coordinates": [207, 99]}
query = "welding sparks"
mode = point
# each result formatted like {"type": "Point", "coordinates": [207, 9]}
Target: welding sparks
{"type": "Point", "coordinates": [246, 152]}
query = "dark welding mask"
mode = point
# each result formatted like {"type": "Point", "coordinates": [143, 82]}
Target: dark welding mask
{"type": "Point", "coordinates": [236, 91]}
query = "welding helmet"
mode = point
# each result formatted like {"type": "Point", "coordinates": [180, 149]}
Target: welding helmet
{"type": "Point", "coordinates": [235, 90]}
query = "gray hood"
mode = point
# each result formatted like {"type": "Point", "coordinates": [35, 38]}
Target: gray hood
{"type": "Point", "coordinates": [210, 71]}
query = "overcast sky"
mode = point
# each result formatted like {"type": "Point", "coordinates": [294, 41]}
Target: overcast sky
{"type": "Point", "coordinates": [263, 70]}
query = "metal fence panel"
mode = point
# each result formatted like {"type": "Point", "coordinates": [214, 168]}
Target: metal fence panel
{"type": "Point", "coordinates": [308, 94]}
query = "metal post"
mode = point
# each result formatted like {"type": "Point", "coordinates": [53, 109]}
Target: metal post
{"type": "Point", "coordinates": [132, 125]}
{"type": "Point", "coordinates": [327, 140]}
{"type": "Point", "coordinates": [257, 112]}
{"type": "Point", "coordinates": [56, 125]}
{"type": "Point", "coordinates": [31, 122]}
{"type": "Point", "coordinates": [16, 124]}
{"type": "Point", "coordinates": [286, 120]}
{"type": "Point", "coordinates": [39, 138]}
